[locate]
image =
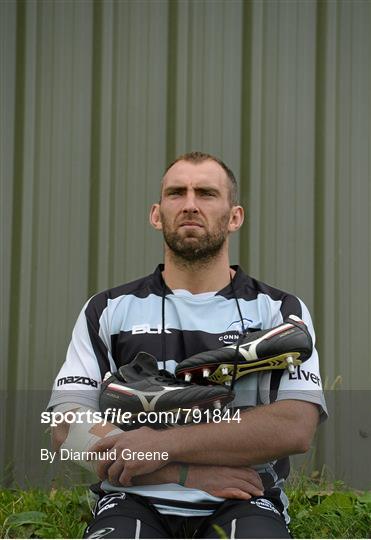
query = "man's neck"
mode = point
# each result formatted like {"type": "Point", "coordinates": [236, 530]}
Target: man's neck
{"type": "Point", "coordinates": [199, 276]}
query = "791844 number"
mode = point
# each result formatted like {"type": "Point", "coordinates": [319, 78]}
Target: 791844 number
{"type": "Point", "coordinates": [212, 415]}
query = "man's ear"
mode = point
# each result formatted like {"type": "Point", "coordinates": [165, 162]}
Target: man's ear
{"type": "Point", "coordinates": [155, 217]}
{"type": "Point", "coordinates": [236, 219]}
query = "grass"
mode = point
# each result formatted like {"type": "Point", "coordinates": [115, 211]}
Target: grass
{"type": "Point", "coordinates": [323, 509]}
{"type": "Point", "coordinates": [319, 509]}
{"type": "Point", "coordinates": [35, 513]}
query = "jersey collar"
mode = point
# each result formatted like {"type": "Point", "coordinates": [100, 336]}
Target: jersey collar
{"type": "Point", "coordinates": [238, 279]}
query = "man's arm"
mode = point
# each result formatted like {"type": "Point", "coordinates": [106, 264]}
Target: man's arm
{"type": "Point", "coordinates": [60, 432]}
{"type": "Point", "coordinates": [264, 434]}
{"type": "Point", "coordinates": [228, 482]}
{"type": "Point", "coordinates": [78, 436]}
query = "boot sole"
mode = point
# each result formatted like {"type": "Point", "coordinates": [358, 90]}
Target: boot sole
{"type": "Point", "coordinates": [217, 376]}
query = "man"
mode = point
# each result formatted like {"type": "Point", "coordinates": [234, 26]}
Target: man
{"type": "Point", "coordinates": [227, 474]}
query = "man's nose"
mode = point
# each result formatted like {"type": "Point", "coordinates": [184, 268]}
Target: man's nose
{"type": "Point", "coordinates": [190, 203]}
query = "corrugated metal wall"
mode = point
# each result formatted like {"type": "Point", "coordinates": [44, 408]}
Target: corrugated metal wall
{"type": "Point", "coordinates": [96, 99]}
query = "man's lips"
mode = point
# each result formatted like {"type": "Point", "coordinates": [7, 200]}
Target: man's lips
{"type": "Point", "coordinates": [190, 224]}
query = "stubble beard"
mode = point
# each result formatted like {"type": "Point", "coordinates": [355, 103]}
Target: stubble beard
{"type": "Point", "coordinates": [196, 251]}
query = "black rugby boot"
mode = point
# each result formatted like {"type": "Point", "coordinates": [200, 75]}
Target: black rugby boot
{"type": "Point", "coordinates": [139, 387]}
{"type": "Point", "coordinates": [284, 346]}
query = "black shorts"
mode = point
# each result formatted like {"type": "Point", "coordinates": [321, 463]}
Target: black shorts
{"type": "Point", "coordinates": [124, 515]}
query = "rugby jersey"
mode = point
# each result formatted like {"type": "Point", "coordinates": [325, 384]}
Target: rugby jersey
{"type": "Point", "coordinates": [145, 315]}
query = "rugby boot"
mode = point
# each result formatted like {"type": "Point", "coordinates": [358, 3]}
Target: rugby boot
{"type": "Point", "coordinates": [140, 387]}
{"type": "Point", "coordinates": [284, 346]}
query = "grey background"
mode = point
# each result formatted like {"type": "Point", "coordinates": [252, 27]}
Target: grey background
{"type": "Point", "coordinates": [96, 99]}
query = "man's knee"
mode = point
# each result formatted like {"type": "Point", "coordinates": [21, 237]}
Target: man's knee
{"type": "Point", "coordinates": [249, 527]}
{"type": "Point", "coordinates": [119, 515]}
{"type": "Point", "coordinates": [258, 518]}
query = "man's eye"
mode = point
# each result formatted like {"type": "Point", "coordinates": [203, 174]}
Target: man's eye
{"type": "Point", "coordinates": [208, 194]}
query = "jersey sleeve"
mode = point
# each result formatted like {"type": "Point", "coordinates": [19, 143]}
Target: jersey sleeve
{"type": "Point", "coordinates": [305, 383]}
{"type": "Point", "coordinates": [87, 360]}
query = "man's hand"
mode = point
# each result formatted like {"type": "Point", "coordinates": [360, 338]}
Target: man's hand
{"type": "Point", "coordinates": [227, 482]}
{"type": "Point", "coordinates": [121, 471]}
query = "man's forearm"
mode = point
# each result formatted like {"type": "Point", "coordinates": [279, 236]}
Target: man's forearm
{"type": "Point", "coordinates": [166, 475]}
{"type": "Point", "coordinates": [265, 433]}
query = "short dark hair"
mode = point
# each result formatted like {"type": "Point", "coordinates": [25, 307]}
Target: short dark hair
{"type": "Point", "coordinates": [200, 157]}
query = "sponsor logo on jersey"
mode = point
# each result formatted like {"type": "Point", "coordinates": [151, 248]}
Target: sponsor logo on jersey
{"type": "Point", "coordinates": [229, 338]}
{"type": "Point", "coordinates": [77, 379]}
{"type": "Point", "coordinates": [234, 330]}
{"type": "Point", "coordinates": [147, 329]}
{"type": "Point", "coordinates": [302, 374]}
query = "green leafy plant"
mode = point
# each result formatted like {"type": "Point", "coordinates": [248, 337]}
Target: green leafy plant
{"type": "Point", "coordinates": [318, 508]}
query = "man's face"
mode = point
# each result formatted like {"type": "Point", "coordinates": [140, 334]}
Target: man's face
{"type": "Point", "coordinates": [195, 210]}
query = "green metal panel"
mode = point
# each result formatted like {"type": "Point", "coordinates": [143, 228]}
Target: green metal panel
{"type": "Point", "coordinates": [343, 230]}
{"type": "Point", "coordinates": [8, 184]}
{"type": "Point", "coordinates": [50, 202]}
{"type": "Point", "coordinates": [99, 96]}
{"type": "Point", "coordinates": [281, 168]}
{"type": "Point", "coordinates": [7, 169]}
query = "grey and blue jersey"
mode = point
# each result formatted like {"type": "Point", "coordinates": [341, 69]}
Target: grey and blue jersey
{"type": "Point", "coordinates": [145, 315]}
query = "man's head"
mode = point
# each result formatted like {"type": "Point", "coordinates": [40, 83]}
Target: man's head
{"type": "Point", "coordinates": [198, 208]}
{"type": "Point", "coordinates": [201, 157]}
